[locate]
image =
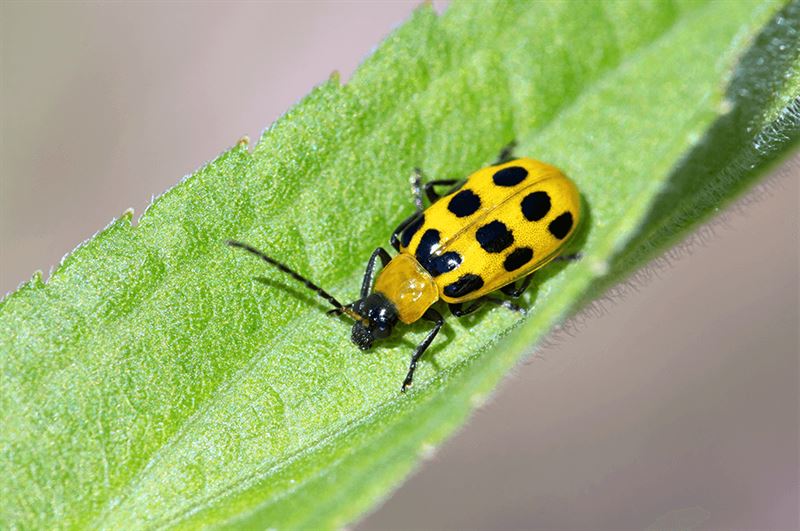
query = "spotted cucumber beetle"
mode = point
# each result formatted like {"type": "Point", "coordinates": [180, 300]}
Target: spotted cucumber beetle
{"type": "Point", "coordinates": [489, 230]}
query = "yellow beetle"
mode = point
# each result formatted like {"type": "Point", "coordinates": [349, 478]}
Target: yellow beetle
{"type": "Point", "coordinates": [497, 226]}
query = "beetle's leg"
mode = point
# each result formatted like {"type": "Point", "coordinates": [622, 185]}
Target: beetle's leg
{"type": "Point", "coordinates": [459, 311]}
{"type": "Point", "coordinates": [416, 189]}
{"type": "Point", "coordinates": [395, 239]}
{"type": "Point", "coordinates": [505, 304]}
{"type": "Point", "coordinates": [514, 291]}
{"type": "Point", "coordinates": [438, 320]}
{"type": "Point", "coordinates": [369, 274]}
{"type": "Point", "coordinates": [430, 190]}
{"type": "Point", "coordinates": [416, 193]}
{"type": "Point", "coordinates": [457, 308]}
{"type": "Point", "coordinates": [574, 257]}
{"type": "Point", "coordinates": [506, 154]}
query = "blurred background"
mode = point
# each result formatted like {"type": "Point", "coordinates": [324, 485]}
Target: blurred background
{"type": "Point", "coordinates": [673, 407]}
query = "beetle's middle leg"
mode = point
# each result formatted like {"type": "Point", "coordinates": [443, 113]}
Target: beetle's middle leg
{"type": "Point", "coordinates": [429, 188]}
{"type": "Point", "coordinates": [459, 310]}
{"type": "Point", "coordinates": [515, 291]}
{"type": "Point", "coordinates": [506, 154]}
{"type": "Point", "coordinates": [395, 239]}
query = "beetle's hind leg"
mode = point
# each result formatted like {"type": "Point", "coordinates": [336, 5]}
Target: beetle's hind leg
{"type": "Point", "coordinates": [505, 304]}
{"type": "Point", "coordinates": [506, 154]}
{"type": "Point", "coordinates": [416, 189]}
{"type": "Point", "coordinates": [574, 257]}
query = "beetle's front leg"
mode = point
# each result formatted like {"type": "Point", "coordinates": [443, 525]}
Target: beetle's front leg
{"type": "Point", "coordinates": [369, 274]}
{"type": "Point", "coordinates": [438, 320]}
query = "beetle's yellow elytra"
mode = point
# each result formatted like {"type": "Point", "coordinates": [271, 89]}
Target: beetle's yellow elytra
{"type": "Point", "coordinates": [502, 224]}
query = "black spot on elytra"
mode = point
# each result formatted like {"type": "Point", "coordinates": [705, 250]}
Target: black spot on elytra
{"type": "Point", "coordinates": [494, 237]}
{"type": "Point", "coordinates": [561, 226]}
{"type": "Point", "coordinates": [411, 230]}
{"type": "Point", "coordinates": [435, 264]}
{"type": "Point", "coordinates": [442, 264]}
{"type": "Point", "coordinates": [511, 176]}
{"type": "Point", "coordinates": [464, 203]}
{"type": "Point", "coordinates": [518, 258]}
{"type": "Point", "coordinates": [535, 206]}
{"type": "Point", "coordinates": [465, 285]}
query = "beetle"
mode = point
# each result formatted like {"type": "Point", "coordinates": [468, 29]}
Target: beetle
{"type": "Point", "coordinates": [487, 232]}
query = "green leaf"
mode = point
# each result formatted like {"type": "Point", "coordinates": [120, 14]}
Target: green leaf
{"type": "Point", "coordinates": [154, 381]}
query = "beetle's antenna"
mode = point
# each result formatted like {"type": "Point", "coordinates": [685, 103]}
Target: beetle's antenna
{"type": "Point", "coordinates": [295, 275]}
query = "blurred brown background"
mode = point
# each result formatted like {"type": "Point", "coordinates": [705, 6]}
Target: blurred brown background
{"type": "Point", "coordinates": [674, 408]}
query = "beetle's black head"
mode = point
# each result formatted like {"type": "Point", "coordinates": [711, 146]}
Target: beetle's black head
{"type": "Point", "coordinates": [379, 316]}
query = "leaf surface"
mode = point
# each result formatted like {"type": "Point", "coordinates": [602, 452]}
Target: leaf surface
{"type": "Point", "coordinates": [155, 381]}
